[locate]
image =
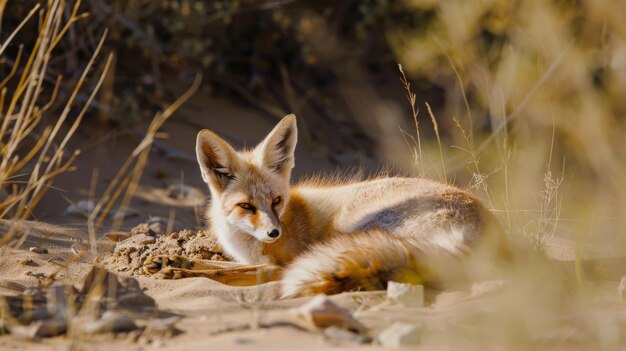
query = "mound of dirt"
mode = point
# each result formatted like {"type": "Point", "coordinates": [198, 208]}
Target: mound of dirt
{"type": "Point", "coordinates": [130, 254]}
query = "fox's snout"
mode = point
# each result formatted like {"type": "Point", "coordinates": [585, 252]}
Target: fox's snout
{"type": "Point", "coordinates": [267, 227]}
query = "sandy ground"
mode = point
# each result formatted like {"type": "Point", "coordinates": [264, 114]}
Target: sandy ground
{"type": "Point", "coordinates": [216, 316]}
{"type": "Point", "coordinates": [250, 318]}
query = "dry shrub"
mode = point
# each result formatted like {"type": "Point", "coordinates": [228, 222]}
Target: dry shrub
{"type": "Point", "coordinates": [33, 140]}
{"type": "Point", "coordinates": [535, 117]}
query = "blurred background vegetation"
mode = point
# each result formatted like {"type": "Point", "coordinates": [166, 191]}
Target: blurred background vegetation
{"type": "Point", "coordinates": [525, 98]}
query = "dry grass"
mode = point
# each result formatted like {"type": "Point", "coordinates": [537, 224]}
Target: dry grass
{"type": "Point", "coordinates": [25, 106]}
{"type": "Point", "coordinates": [124, 184]}
{"type": "Point", "coordinates": [542, 84]}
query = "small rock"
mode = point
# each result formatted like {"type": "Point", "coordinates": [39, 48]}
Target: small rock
{"type": "Point", "coordinates": [341, 336]}
{"type": "Point", "coordinates": [83, 208]}
{"type": "Point", "coordinates": [41, 328]}
{"type": "Point", "coordinates": [110, 322]}
{"type": "Point", "coordinates": [407, 295]}
{"type": "Point", "coordinates": [156, 229]}
{"type": "Point", "coordinates": [401, 334]}
{"type": "Point", "coordinates": [155, 219]}
{"type": "Point", "coordinates": [117, 236]}
{"type": "Point", "coordinates": [323, 313]}
{"type": "Point", "coordinates": [120, 214]}
{"type": "Point", "coordinates": [39, 250]}
{"type": "Point", "coordinates": [162, 327]}
{"type": "Point", "coordinates": [27, 262]}
{"type": "Point", "coordinates": [141, 228]}
{"type": "Point", "coordinates": [621, 288]}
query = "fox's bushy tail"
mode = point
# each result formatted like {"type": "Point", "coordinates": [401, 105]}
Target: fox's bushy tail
{"type": "Point", "coordinates": [368, 260]}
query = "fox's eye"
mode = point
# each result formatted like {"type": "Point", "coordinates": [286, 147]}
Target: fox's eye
{"type": "Point", "coordinates": [276, 200]}
{"type": "Point", "coordinates": [246, 206]}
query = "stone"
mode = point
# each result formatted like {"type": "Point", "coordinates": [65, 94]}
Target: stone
{"type": "Point", "coordinates": [401, 334]}
{"type": "Point", "coordinates": [122, 215]}
{"type": "Point", "coordinates": [54, 326]}
{"type": "Point", "coordinates": [341, 336]}
{"type": "Point", "coordinates": [27, 262]}
{"type": "Point", "coordinates": [408, 295]}
{"type": "Point", "coordinates": [157, 229]}
{"type": "Point", "coordinates": [322, 313]}
{"type": "Point", "coordinates": [39, 250]}
{"type": "Point", "coordinates": [82, 208]}
{"type": "Point", "coordinates": [110, 322]}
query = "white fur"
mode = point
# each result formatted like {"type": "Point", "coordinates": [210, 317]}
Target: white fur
{"type": "Point", "coordinates": [236, 243]}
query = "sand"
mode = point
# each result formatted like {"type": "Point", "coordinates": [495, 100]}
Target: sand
{"type": "Point", "coordinates": [130, 254]}
{"type": "Point", "coordinates": [216, 316]}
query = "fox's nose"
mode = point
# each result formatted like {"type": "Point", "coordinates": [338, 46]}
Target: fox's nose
{"type": "Point", "coordinates": [274, 233]}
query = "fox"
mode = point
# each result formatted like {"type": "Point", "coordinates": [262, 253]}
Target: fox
{"type": "Point", "coordinates": [337, 235]}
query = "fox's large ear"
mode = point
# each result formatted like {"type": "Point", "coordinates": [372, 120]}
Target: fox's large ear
{"type": "Point", "coordinates": [277, 149]}
{"type": "Point", "coordinates": [218, 160]}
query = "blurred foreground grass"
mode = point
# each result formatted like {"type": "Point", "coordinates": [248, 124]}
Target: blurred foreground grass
{"type": "Point", "coordinates": [534, 108]}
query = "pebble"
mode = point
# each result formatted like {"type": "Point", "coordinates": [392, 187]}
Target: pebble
{"type": "Point", "coordinates": [82, 207]}
{"type": "Point", "coordinates": [154, 226]}
{"type": "Point", "coordinates": [401, 334]}
{"type": "Point", "coordinates": [156, 219]}
{"type": "Point", "coordinates": [42, 328]}
{"type": "Point", "coordinates": [163, 324]}
{"type": "Point", "coordinates": [110, 321]}
{"type": "Point", "coordinates": [157, 229]}
{"type": "Point", "coordinates": [39, 250]}
{"type": "Point", "coordinates": [341, 336]}
{"type": "Point", "coordinates": [323, 313]}
{"type": "Point", "coordinates": [27, 262]}
{"type": "Point", "coordinates": [408, 295]}
{"type": "Point", "coordinates": [121, 215]}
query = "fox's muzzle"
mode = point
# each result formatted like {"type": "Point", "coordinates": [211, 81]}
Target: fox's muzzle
{"type": "Point", "coordinates": [268, 229]}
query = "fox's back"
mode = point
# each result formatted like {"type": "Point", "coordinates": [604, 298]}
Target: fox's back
{"type": "Point", "coordinates": [401, 206]}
